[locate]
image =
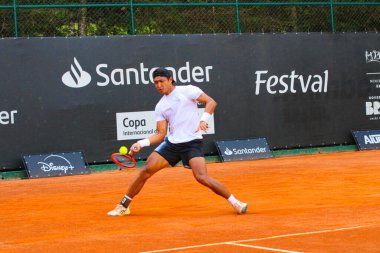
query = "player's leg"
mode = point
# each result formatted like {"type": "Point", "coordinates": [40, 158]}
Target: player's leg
{"type": "Point", "coordinates": [198, 166]}
{"type": "Point", "coordinates": [154, 163]}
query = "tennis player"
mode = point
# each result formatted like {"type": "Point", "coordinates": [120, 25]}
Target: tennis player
{"type": "Point", "coordinates": [177, 109]}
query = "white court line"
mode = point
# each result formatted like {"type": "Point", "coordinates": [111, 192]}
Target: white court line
{"type": "Point", "coordinates": [253, 240]}
{"type": "Point", "coordinates": [298, 234]}
{"type": "Point", "coordinates": [264, 248]}
{"type": "Point", "coordinates": [187, 247]}
{"type": "Point", "coordinates": [373, 73]}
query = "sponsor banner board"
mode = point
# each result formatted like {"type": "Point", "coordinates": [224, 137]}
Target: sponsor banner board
{"type": "Point", "coordinates": [238, 150]}
{"type": "Point", "coordinates": [55, 164]}
{"type": "Point", "coordinates": [367, 139]}
{"type": "Point", "coordinates": [298, 90]}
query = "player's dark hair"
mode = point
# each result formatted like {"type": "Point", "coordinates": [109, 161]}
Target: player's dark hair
{"type": "Point", "coordinates": [162, 72]}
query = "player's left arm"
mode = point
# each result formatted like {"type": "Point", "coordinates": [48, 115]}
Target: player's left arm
{"type": "Point", "coordinates": [210, 105]}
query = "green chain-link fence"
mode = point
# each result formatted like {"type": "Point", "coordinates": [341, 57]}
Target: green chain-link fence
{"type": "Point", "coordinates": [30, 18]}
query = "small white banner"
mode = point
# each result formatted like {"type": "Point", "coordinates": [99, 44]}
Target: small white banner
{"type": "Point", "coordinates": [140, 125]}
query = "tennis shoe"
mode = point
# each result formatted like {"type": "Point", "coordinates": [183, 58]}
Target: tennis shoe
{"type": "Point", "coordinates": [240, 207]}
{"type": "Point", "coordinates": [119, 210]}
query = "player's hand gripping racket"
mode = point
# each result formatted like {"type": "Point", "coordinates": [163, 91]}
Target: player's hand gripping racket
{"type": "Point", "coordinates": [123, 160]}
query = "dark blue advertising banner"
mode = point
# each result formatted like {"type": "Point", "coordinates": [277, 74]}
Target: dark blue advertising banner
{"type": "Point", "coordinates": [368, 139]}
{"type": "Point", "coordinates": [238, 150]}
{"type": "Point", "coordinates": [96, 93]}
{"type": "Point", "coordinates": [55, 164]}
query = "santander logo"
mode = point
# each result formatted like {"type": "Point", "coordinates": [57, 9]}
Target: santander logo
{"type": "Point", "coordinates": [76, 77]}
{"type": "Point", "coordinates": [227, 152]}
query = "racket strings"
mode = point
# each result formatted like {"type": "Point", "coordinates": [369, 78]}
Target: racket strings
{"type": "Point", "coordinates": [124, 160]}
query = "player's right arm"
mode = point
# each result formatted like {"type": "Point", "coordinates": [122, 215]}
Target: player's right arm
{"type": "Point", "coordinates": [159, 136]}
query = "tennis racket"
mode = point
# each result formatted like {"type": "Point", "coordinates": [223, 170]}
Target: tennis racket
{"type": "Point", "coordinates": [125, 161]}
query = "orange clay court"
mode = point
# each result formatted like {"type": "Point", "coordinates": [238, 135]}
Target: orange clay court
{"type": "Point", "coordinates": [310, 203]}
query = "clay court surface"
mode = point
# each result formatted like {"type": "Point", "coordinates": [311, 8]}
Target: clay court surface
{"type": "Point", "coordinates": [310, 203]}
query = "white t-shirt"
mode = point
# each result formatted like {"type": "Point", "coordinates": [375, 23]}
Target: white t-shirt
{"type": "Point", "coordinates": [180, 110]}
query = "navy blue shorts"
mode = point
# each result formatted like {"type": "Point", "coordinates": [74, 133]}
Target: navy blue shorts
{"type": "Point", "coordinates": [173, 153]}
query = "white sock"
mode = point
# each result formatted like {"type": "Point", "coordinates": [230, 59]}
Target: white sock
{"type": "Point", "coordinates": [232, 200]}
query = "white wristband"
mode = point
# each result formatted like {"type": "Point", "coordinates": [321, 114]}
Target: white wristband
{"type": "Point", "coordinates": [144, 143]}
{"type": "Point", "coordinates": [205, 116]}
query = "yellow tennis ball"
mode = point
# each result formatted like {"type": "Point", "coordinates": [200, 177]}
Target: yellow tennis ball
{"type": "Point", "coordinates": [123, 150]}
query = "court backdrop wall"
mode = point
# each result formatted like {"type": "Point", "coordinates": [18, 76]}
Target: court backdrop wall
{"type": "Point", "coordinates": [297, 90]}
